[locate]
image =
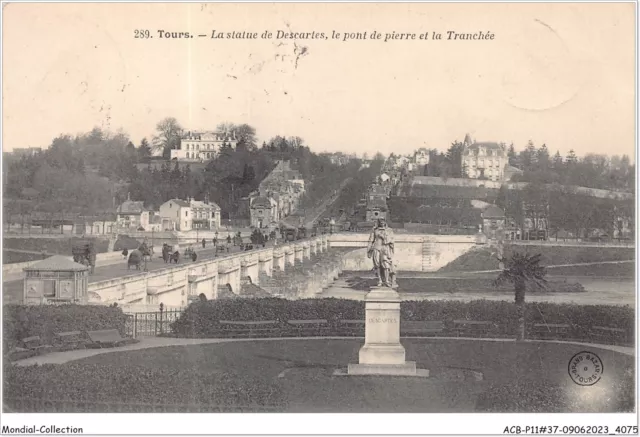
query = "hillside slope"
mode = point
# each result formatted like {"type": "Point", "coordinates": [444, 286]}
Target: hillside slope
{"type": "Point", "coordinates": [485, 258]}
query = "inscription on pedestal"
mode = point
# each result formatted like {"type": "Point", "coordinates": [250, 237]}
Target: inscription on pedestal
{"type": "Point", "coordinates": [382, 320]}
{"type": "Point", "coordinates": [382, 353]}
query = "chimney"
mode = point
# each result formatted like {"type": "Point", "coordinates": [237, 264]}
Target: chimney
{"type": "Point", "coordinates": [128, 196]}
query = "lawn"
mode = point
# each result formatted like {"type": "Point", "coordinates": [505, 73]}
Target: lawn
{"type": "Point", "coordinates": [485, 258]}
{"type": "Point", "coordinates": [10, 257]}
{"type": "Point", "coordinates": [297, 376]}
{"type": "Point", "coordinates": [622, 270]}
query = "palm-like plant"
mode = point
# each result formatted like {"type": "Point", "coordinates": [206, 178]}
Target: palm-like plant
{"type": "Point", "coordinates": [521, 269]}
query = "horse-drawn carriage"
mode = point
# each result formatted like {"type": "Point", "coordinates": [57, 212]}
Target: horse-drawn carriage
{"type": "Point", "coordinates": [84, 253]}
{"type": "Point", "coordinates": [189, 252]}
{"type": "Point", "coordinates": [223, 247]}
{"type": "Point", "coordinates": [135, 259]}
{"type": "Point", "coordinates": [146, 251]}
{"type": "Point", "coordinates": [237, 240]}
{"type": "Point", "coordinates": [288, 233]}
{"type": "Point", "coordinates": [170, 253]}
{"type": "Point", "coordinates": [246, 244]}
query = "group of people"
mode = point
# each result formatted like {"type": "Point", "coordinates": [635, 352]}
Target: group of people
{"type": "Point", "coordinates": [215, 241]}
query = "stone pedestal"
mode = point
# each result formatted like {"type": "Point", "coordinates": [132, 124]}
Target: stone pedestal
{"type": "Point", "coordinates": [382, 353]}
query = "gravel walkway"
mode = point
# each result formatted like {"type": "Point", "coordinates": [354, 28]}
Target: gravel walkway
{"type": "Point", "coordinates": [151, 342]}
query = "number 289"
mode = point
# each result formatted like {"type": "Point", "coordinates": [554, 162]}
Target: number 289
{"type": "Point", "coordinates": [141, 34]}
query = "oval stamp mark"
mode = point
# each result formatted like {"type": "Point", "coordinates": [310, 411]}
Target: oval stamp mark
{"type": "Point", "coordinates": [585, 368]}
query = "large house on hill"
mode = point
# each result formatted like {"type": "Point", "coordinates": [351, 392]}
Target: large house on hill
{"type": "Point", "coordinates": [486, 160]}
{"type": "Point", "coordinates": [203, 146]}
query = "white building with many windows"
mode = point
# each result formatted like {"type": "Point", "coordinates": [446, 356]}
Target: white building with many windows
{"type": "Point", "coordinates": [484, 160]}
{"type": "Point", "coordinates": [203, 146]}
{"type": "Point", "coordinates": [186, 215]}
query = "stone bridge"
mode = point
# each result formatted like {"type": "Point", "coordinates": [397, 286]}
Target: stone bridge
{"type": "Point", "coordinates": [218, 277]}
{"type": "Point", "coordinates": [413, 252]}
{"type": "Point", "coordinates": [292, 270]}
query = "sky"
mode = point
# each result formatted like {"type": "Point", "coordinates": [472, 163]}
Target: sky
{"type": "Point", "coordinates": [560, 74]}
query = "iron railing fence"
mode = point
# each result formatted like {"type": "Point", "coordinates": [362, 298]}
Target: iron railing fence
{"type": "Point", "coordinates": [150, 324]}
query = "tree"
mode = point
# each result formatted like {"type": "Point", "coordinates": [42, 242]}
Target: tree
{"type": "Point", "coordinates": [131, 154]}
{"type": "Point", "coordinates": [295, 142]}
{"type": "Point", "coordinates": [513, 158]}
{"type": "Point", "coordinates": [168, 137]}
{"type": "Point", "coordinates": [528, 157]}
{"type": "Point", "coordinates": [245, 134]}
{"type": "Point", "coordinates": [536, 205]}
{"type": "Point", "coordinates": [379, 157]}
{"type": "Point", "coordinates": [454, 157]}
{"type": "Point", "coordinates": [248, 174]}
{"type": "Point", "coordinates": [542, 157]}
{"type": "Point", "coordinates": [144, 151]}
{"type": "Point", "coordinates": [520, 270]}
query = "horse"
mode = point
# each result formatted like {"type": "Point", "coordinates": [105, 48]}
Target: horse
{"type": "Point", "coordinates": [135, 259]}
{"type": "Point", "coordinates": [175, 257]}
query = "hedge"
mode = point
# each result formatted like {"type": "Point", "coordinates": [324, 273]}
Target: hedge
{"type": "Point", "coordinates": [200, 319]}
{"type": "Point", "coordinates": [21, 321]}
{"type": "Point", "coordinates": [127, 388]}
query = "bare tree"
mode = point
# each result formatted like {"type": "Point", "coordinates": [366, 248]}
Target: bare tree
{"type": "Point", "coordinates": [169, 133]}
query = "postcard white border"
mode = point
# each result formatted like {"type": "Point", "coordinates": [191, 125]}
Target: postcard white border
{"type": "Point", "coordinates": [319, 424]}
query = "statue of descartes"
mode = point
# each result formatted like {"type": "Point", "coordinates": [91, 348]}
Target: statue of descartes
{"type": "Point", "coordinates": [380, 250]}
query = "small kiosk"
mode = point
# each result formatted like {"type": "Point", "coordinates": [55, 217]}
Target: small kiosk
{"type": "Point", "coordinates": [55, 280]}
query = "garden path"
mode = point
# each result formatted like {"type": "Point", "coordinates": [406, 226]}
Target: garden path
{"type": "Point", "coordinates": [152, 342]}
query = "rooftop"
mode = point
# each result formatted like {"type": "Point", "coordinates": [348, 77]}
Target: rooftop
{"type": "Point", "coordinates": [201, 204]}
{"type": "Point", "coordinates": [180, 202]}
{"type": "Point", "coordinates": [131, 207]}
{"type": "Point", "coordinates": [209, 135]}
{"type": "Point", "coordinates": [261, 202]}
{"type": "Point", "coordinates": [57, 263]}
{"type": "Point", "coordinates": [485, 145]}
